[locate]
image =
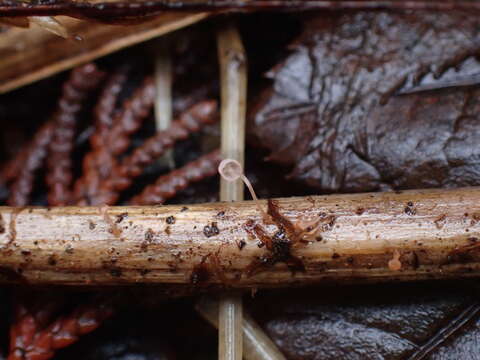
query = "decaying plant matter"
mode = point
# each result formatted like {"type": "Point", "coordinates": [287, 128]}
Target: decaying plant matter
{"type": "Point", "coordinates": [59, 160]}
{"type": "Point", "coordinates": [97, 165]}
{"type": "Point", "coordinates": [168, 185]}
{"type": "Point", "coordinates": [432, 234]}
{"type": "Point", "coordinates": [54, 138]}
{"type": "Point", "coordinates": [21, 170]}
{"type": "Point", "coordinates": [105, 174]}
{"type": "Point", "coordinates": [376, 127]}
{"type": "Point", "coordinates": [121, 11]}
{"type": "Point", "coordinates": [32, 54]}
{"type": "Point", "coordinates": [189, 122]}
{"type": "Point", "coordinates": [233, 74]}
{"type": "Point", "coordinates": [34, 336]}
{"type": "Point", "coordinates": [264, 249]}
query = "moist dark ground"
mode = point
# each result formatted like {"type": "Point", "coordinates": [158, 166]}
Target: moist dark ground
{"type": "Point", "coordinates": [332, 118]}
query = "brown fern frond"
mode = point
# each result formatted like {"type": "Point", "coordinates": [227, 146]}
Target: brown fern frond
{"type": "Point", "coordinates": [22, 168]}
{"type": "Point", "coordinates": [29, 341]}
{"type": "Point", "coordinates": [82, 80]}
{"type": "Point", "coordinates": [190, 121]}
{"type": "Point", "coordinates": [168, 185]}
{"type": "Point", "coordinates": [117, 141]}
{"type": "Point", "coordinates": [98, 163]}
{"type": "Point", "coordinates": [129, 120]}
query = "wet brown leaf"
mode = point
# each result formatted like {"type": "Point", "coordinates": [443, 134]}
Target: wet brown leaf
{"type": "Point", "coordinates": [335, 115]}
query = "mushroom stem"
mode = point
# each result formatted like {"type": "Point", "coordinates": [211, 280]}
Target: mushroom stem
{"type": "Point", "coordinates": [248, 184]}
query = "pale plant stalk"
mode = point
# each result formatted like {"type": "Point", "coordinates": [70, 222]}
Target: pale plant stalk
{"type": "Point", "coordinates": [233, 77]}
{"type": "Point", "coordinates": [256, 344]}
{"type": "Point", "coordinates": [34, 54]}
{"type": "Point", "coordinates": [163, 98]}
{"type": "Point", "coordinates": [431, 234]}
{"type": "Point", "coordinates": [50, 24]}
{"type": "Point", "coordinates": [17, 22]}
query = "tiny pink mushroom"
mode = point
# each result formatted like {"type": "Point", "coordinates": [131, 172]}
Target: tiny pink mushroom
{"type": "Point", "coordinates": [232, 170]}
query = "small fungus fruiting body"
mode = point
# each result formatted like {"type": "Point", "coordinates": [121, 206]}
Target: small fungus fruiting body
{"type": "Point", "coordinates": [232, 170]}
{"type": "Point", "coordinates": [395, 264]}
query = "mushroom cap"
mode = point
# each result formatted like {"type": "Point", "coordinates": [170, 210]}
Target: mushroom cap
{"type": "Point", "coordinates": [230, 169]}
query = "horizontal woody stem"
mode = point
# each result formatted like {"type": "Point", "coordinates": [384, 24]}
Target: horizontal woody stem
{"type": "Point", "coordinates": [410, 235]}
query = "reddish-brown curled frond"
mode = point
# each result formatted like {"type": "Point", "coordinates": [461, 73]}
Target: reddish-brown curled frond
{"type": "Point", "coordinates": [105, 107]}
{"type": "Point", "coordinates": [190, 121]}
{"type": "Point", "coordinates": [129, 120]}
{"type": "Point", "coordinates": [168, 185]}
{"type": "Point", "coordinates": [98, 163]}
{"type": "Point", "coordinates": [82, 80]}
{"type": "Point", "coordinates": [28, 161]}
{"type": "Point", "coordinates": [116, 141]}
{"type": "Point", "coordinates": [13, 167]}
{"type": "Point", "coordinates": [30, 342]}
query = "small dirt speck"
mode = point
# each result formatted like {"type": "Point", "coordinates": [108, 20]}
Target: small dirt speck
{"type": "Point", "coordinates": [2, 225]}
{"type": "Point", "coordinates": [475, 219]}
{"type": "Point", "coordinates": [121, 217]}
{"type": "Point", "coordinates": [91, 225]}
{"type": "Point", "coordinates": [184, 209]}
{"type": "Point", "coordinates": [172, 267]}
{"type": "Point", "coordinates": [211, 230]}
{"type": "Point", "coordinates": [241, 244]}
{"type": "Point", "coordinates": [409, 210]}
{"type": "Point", "coordinates": [329, 222]}
{"type": "Point", "coordinates": [200, 274]}
{"type": "Point", "coordinates": [412, 259]}
{"type": "Point", "coordinates": [116, 272]}
{"type": "Point", "coordinates": [170, 220]}
{"type": "Point", "coordinates": [440, 221]}
{"type": "Point", "coordinates": [359, 211]}
{"type": "Point", "coordinates": [52, 261]}
{"type": "Point", "coordinates": [149, 235]}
